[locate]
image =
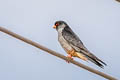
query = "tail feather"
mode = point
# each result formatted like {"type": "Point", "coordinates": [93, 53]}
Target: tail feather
{"type": "Point", "coordinates": [101, 61]}
{"type": "Point", "coordinates": [93, 59]}
{"type": "Point", "coordinates": [97, 61]}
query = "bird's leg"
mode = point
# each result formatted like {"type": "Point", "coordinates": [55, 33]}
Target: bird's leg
{"type": "Point", "coordinates": [69, 58]}
{"type": "Point", "coordinates": [70, 53]}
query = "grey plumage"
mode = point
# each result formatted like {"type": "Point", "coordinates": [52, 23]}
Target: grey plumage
{"type": "Point", "coordinates": [73, 40]}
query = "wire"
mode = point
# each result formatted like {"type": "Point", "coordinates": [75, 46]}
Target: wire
{"type": "Point", "coordinates": [56, 54]}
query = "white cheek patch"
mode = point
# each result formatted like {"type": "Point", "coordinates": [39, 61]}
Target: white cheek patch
{"type": "Point", "coordinates": [61, 27]}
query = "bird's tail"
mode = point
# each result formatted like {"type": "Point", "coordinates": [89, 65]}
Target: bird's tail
{"type": "Point", "coordinates": [96, 61]}
{"type": "Point", "coordinates": [91, 58]}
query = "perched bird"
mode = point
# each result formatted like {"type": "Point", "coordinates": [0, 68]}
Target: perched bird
{"type": "Point", "coordinates": [73, 45]}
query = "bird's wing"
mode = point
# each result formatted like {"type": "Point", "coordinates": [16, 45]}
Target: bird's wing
{"type": "Point", "coordinates": [73, 39]}
{"type": "Point", "coordinates": [77, 44]}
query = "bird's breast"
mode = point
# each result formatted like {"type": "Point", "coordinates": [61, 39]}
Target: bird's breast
{"type": "Point", "coordinates": [64, 43]}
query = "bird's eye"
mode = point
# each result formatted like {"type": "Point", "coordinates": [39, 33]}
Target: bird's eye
{"type": "Point", "coordinates": [57, 24]}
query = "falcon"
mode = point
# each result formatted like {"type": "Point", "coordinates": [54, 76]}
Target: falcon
{"type": "Point", "coordinates": [73, 45]}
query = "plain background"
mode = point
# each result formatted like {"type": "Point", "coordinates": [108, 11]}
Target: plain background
{"type": "Point", "coordinates": [96, 22]}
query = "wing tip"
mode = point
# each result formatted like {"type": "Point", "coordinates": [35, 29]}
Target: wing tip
{"type": "Point", "coordinates": [101, 64]}
{"type": "Point", "coordinates": [98, 62]}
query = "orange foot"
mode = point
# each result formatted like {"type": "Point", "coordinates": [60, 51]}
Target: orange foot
{"type": "Point", "coordinates": [69, 58]}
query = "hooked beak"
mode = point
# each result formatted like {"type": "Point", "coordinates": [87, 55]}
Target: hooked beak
{"type": "Point", "coordinates": [54, 27]}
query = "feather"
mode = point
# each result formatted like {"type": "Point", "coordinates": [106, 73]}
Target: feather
{"type": "Point", "coordinates": [77, 45]}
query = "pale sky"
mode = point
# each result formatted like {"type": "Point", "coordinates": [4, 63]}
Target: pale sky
{"type": "Point", "coordinates": [96, 22]}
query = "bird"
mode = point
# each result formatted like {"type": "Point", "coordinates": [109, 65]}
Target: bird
{"type": "Point", "coordinates": [73, 46]}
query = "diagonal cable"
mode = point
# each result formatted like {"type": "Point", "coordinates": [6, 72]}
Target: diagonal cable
{"type": "Point", "coordinates": [56, 54]}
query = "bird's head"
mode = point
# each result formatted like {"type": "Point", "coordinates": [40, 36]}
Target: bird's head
{"type": "Point", "coordinates": [59, 25]}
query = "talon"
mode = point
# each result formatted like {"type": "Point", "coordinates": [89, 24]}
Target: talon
{"type": "Point", "coordinates": [69, 58]}
{"type": "Point", "coordinates": [67, 61]}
